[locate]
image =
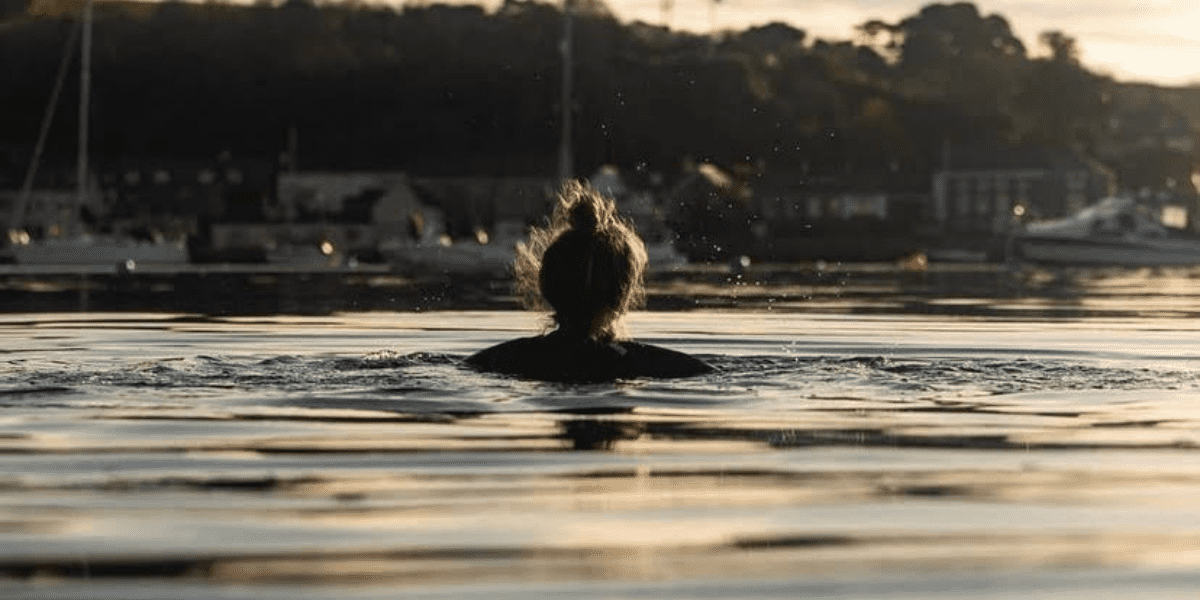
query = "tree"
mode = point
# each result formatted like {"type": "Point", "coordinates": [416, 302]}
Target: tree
{"type": "Point", "coordinates": [952, 51]}
{"type": "Point", "coordinates": [1061, 103]}
{"type": "Point", "coordinates": [1062, 47]}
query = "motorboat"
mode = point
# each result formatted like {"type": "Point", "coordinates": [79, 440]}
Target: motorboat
{"type": "Point", "coordinates": [1112, 232]}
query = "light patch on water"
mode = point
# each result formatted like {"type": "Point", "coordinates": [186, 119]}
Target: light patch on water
{"type": "Point", "coordinates": [828, 455]}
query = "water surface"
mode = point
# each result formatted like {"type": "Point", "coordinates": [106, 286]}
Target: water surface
{"type": "Point", "coordinates": [840, 450]}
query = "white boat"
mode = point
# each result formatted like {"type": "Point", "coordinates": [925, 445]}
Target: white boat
{"type": "Point", "coordinates": [441, 257]}
{"type": "Point", "coordinates": [1112, 232]}
{"type": "Point", "coordinates": [78, 247]}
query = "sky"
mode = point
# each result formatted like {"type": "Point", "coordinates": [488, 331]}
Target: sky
{"type": "Point", "coordinates": [1156, 41]}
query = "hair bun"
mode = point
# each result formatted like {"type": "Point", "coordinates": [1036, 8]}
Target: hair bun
{"type": "Point", "coordinates": [585, 214]}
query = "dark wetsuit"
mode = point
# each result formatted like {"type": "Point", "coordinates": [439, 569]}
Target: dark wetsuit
{"type": "Point", "coordinates": [556, 357]}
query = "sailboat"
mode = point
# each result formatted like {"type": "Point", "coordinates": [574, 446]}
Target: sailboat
{"type": "Point", "coordinates": [76, 246]}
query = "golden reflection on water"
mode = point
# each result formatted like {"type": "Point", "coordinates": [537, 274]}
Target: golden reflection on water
{"type": "Point", "coordinates": [294, 455]}
{"type": "Point", "coordinates": [961, 288]}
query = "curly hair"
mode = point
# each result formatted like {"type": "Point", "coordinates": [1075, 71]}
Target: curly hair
{"type": "Point", "coordinates": [587, 265]}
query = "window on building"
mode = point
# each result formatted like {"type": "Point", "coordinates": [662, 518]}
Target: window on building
{"type": "Point", "coordinates": [962, 200]}
{"type": "Point", "coordinates": [983, 200]}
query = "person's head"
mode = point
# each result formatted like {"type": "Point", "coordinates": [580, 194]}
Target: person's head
{"type": "Point", "coordinates": [587, 264]}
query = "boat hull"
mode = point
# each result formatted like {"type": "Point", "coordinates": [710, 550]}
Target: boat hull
{"type": "Point", "coordinates": [303, 256]}
{"type": "Point", "coordinates": [454, 259]}
{"type": "Point", "coordinates": [98, 252]}
{"type": "Point", "coordinates": [493, 259]}
{"type": "Point", "coordinates": [1114, 252]}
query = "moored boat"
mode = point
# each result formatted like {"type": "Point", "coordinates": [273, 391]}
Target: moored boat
{"type": "Point", "coordinates": [79, 247]}
{"type": "Point", "coordinates": [1113, 232]}
{"type": "Point", "coordinates": [86, 249]}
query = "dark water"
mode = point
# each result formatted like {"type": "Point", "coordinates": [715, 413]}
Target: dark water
{"type": "Point", "coordinates": [865, 435]}
{"type": "Point", "coordinates": [950, 289]}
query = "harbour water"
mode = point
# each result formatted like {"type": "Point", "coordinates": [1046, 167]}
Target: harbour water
{"type": "Point", "coordinates": [867, 434]}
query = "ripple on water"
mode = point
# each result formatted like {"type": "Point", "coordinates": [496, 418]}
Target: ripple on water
{"type": "Point", "coordinates": [288, 470]}
{"type": "Point", "coordinates": [422, 380]}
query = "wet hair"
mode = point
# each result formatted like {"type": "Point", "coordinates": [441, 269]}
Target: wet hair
{"type": "Point", "coordinates": [587, 265]}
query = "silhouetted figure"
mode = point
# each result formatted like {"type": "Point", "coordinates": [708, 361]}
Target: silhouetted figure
{"type": "Point", "coordinates": [588, 266]}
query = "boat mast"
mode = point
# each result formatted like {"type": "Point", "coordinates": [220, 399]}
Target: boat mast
{"type": "Point", "coordinates": [16, 223]}
{"type": "Point", "coordinates": [85, 89]}
{"type": "Point", "coordinates": [565, 161]}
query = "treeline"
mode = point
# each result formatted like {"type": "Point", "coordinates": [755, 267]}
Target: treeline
{"type": "Point", "coordinates": [455, 90]}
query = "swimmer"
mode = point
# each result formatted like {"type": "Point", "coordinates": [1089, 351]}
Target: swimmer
{"type": "Point", "coordinates": [587, 267]}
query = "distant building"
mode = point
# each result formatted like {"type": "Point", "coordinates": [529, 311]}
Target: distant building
{"type": "Point", "coordinates": [637, 205]}
{"type": "Point", "coordinates": [981, 188]}
{"type": "Point", "coordinates": [352, 211]}
{"type": "Point", "coordinates": [472, 205]}
{"type": "Point", "coordinates": [153, 190]}
{"type": "Point", "coordinates": [798, 219]}
{"type": "Point", "coordinates": [1141, 121]}
{"type": "Point", "coordinates": [170, 195]}
{"type": "Point", "coordinates": [383, 199]}
{"type": "Point", "coordinates": [53, 206]}
{"type": "Point", "coordinates": [710, 213]}
{"type": "Point", "coordinates": [48, 212]}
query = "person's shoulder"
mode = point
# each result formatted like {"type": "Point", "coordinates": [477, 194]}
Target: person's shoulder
{"type": "Point", "coordinates": [655, 361]}
{"type": "Point", "coordinates": [553, 358]}
{"type": "Point", "coordinates": [497, 356]}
